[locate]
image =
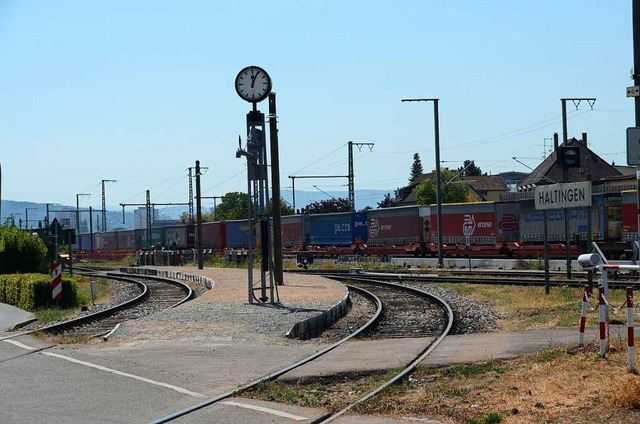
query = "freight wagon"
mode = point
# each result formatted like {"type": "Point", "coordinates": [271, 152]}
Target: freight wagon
{"type": "Point", "coordinates": [178, 237]}
{"type": "Point", "coordinates": [400, 231]}
{"type": "Point", "coordinates": [513, 228]}
{"type": "Point", "coordinates": [292, 230]}
{"type": "Point", "coordinates": [238, 234]}
{"type": "Point", "coordinates": [214, 235]}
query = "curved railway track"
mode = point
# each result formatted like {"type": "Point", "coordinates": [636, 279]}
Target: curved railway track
{"type": "Point", "coordinates": [389, 321]}
{"type": "Point", "coordinates": [156, 294]}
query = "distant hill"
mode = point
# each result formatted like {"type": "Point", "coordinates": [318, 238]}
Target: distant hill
{"type": "Point", "coordinates": [19, 212]}
{"type": "Point", "coordinates": [36, 212]}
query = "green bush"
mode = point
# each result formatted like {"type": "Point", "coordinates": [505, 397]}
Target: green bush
{"type": "Point", "coordinates": [20, 250]}
{"type": "Point", "coordinates": [32, 291]}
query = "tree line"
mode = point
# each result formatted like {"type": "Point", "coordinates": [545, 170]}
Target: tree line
{"type": "Point", "coordinates": [235, 205]}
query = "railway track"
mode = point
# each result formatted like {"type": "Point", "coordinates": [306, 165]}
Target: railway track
{"type": "Point", "coordinates": [156, 294]}
{"type": "Point", "coordinates": [431, 315]}
{"type": "Point", "coordinates": [508, 277]}
{"type": "Point", "coordinates": [405, 313]}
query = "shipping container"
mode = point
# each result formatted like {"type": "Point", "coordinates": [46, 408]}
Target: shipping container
{"type": "Point", "coordinates": [532, 223]}
{"type": "Point", "coordinates": [399, 226]}
{"type": "Point", "coordinates": [508, 221]}
{"type": "Point", "coordinates": [292, 228]}
{"type": "Point", "coordinates": [213, 235]}
{"type": "Point", "coordinates": [106, 241]}
{"type": "Point", "coordinates": [85, 242]}
{"type": "Point", "coordinates": [175, 237]}
{"type": "Point", "coordinates": [336, 229]}
{"type": "Point", "coordinates": [126, 240]}
{"type": "Point", "coordinates": [629, 215]}
{"type": "Point", "coordinates": [156, 238]}
{"type": "Point", "coordinates": [238, 234]}
{"type": "Point", "coordinates": [468, 223]}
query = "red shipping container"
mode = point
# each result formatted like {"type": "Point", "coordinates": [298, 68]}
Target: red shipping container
{"type": "Point", "coordinates": [213, 235]}
{"type": "Point", "coordinates": [629, 215]}
{"type": "Point", "coordinates": [292, 230]}
{"type": "Point", "coordinates": [466, 223]}
{"type": "Point", "coordinates": [396, 226]}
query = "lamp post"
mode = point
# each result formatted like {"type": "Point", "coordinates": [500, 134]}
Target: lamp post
{"type": "Point", "coordinates": [78, 217]}
{"type": "Point", "coordinates": [436, 125]}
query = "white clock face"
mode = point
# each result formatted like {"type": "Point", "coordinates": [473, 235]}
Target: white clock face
{"type": "Point", "coordinates": [253, 84]}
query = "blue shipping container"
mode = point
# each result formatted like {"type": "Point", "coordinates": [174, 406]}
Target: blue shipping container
{"type": "Point", "coordinates": [337, 229]}
{"type": "Point", "coordinates": [238, 234]}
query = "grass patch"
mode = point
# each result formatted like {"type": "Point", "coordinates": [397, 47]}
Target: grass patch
{"type": "Point", "coordinates": [528, 308]}
{"type": "Point", "coordinates": [83, 295]}
{"type": "Point", "coordinates": [556, 385]}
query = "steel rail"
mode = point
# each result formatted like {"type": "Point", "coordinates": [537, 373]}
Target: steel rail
{"type": "Point", "coordinates": [85, 319]}
{"type": "Point", "coordinates": [272, 376]}
{"type": "Point", "coordinates": [408, 368]}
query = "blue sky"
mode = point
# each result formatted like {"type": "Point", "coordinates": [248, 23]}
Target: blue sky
{"type": "Point", "coordinates": [138, 91]}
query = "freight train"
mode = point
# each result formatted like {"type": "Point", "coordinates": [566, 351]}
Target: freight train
{"type": "Point", "coordinates": [503, 228]}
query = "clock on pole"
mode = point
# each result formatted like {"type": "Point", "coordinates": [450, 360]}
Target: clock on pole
{"type": "Point", "coordinates": [253, 84]}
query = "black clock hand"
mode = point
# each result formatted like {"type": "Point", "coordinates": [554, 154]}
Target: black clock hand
{"type": "Point", "coordinates": [253, 79]}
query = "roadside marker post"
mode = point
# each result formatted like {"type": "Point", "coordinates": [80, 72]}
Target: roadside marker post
{"type": "Point", "coordinates": [592, 262]}
{"type": "Point", "coordinates": [56, 281]}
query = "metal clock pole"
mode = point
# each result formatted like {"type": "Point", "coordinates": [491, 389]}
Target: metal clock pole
{"type": "Point", "coordinates": [253, 84]}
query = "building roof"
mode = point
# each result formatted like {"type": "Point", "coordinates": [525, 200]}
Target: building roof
{"type": "Point", "coordinates": [486, 183]}
{"type": "Point", "coordinates": [591, 167]}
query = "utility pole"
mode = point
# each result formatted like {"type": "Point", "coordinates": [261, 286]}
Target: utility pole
{"type": "Point", "coordinates": [199, 216]}
{"type": "Point", "coordinates": [215, 205]}
{"type": "Point", "coordinates": [148, 209]}
{"type": "Point", "coordinates": [191, 196]}
{"type": "Point", "coordinates": [26, 216]}
{"type": "Point", "coordinates": [636, 54]}
{"type": "Point", "coordinates": [436, 125]}
{"type": "Point", "coordinates": [636, 82]}
{"type": "Point", "coordinates": [77, 216]}
{"type": "Point", "coordinates": [104, 206]}
{"type": "Point", "coordinates": [565, 174]}
{"type": "Point", "coordinates": [276, 212]}
{"type": "Point", "coordinates": [352, 193]}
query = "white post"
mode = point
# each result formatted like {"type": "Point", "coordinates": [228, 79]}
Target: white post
{"type": "Point", "coordinates": [631, 351]}
{"type": "Point", "coordinates": [602, 322]}
{"type": "Point", "coordinates": [583, 315]}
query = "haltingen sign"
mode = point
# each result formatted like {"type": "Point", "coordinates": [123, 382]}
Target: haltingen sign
{"type": "Point", "coordinates": [563, 195]}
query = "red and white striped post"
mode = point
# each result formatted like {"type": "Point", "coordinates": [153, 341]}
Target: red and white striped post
{"type": "Point", "coordinates": [56, 281]}
{"type": "Point", "coordinates": [631, 350]}
{"type": "Point", "coordinates": [583, 315]}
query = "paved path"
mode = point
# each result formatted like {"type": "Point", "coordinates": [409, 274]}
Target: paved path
{"type": "Point", "coordinates": [121, 380]}
{"type": "Point", "coordinates": [10, 316]}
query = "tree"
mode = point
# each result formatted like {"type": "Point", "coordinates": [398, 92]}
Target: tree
{"type": "Point", "coordinates": [21, 251]}
{"type": "Point", "coordinates": [235, 205]}
{"type": "Point", "coordinates": [469, 169]}
{"type": "Point", "coordinates": [453, 189]}
{"type": "Point", "coordinates": [206, 217]}
{"type": "Point", "coordinates": [328, 206]}
{"type": "Point", "coordinates": [285, 207]}
{"type": "Point", "coordinates": [387, 202]}
{"type": "Point", "coordinates": [416, 169]}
